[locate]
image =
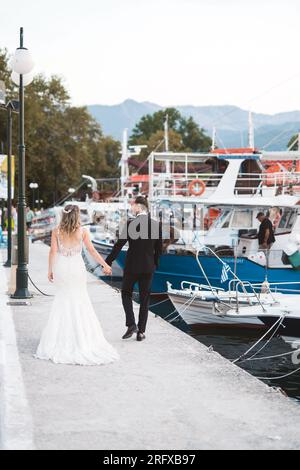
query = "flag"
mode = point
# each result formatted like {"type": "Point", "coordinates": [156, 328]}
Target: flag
{"type": "Point", "coordinates": [224, 273]}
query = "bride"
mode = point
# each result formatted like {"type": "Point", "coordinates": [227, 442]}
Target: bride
{"type": "Point", "coordinates": [73, 334]}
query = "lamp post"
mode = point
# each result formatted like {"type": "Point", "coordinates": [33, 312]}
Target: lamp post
{"type": "Point", "coordinates": [10, 107]}
{"type": "Point", "coordinates": [33, 186]}
{"type": "Point", "coordinates": [71, 191]}
{"type": "Point", "coordinates": [22, 65]}
{"type": "Point", "coordinates": [39, 202]}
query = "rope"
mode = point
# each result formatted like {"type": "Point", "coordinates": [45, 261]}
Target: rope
{"type": "Point", "coordinates": [186, 304]}
{"type": "Point", "coordinates": [269, 340]}
{"type": "Point", "coordinates": [290, 353]}
{"type": "Point", "coordinates": [159, 303]}
{"type": "Point", "coordinates": [281, 376]}
{"type": "Point", "coordinates": [257, 343]}
{"type": "Point", "coordinates": [39, 290]}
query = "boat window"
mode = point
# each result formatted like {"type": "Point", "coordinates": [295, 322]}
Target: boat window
{"type": "Point", "coordinates": [241, 219]}
{"type": "Point", "coordinates": [288, 219]}
{"type": "Point", "coordinates": [224, 220]}
{"type": "Point", "coordinates": [291, 220]}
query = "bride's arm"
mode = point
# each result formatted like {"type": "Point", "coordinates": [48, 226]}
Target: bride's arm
{"type": "Point", "coordinates": [52, 253]}
{"type": "Point", "coordinates": [91, 249]}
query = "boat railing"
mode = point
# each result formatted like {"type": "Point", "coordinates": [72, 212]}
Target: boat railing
{"type": "Point", "coordinates": [274, 286]}
{"type": "Point", "coordinates": [272, 258]}
{"type": "Point", "coordinates": [236, 286]}
{"type": "Point", "coordinates": [189, 285]}
{"type": "Point", "coordinates": [172, 184]}
{"type": "Point", "coordinates": [243, 285]}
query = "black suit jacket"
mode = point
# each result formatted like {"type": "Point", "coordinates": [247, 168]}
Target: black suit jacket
{"type": "Point", "coordinates": [144, 238]}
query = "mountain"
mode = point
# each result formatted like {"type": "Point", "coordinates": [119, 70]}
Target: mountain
{"type": "Point", "coordinates": [271, 131]}
{"type": "Point", "coordinates": [115, 118]}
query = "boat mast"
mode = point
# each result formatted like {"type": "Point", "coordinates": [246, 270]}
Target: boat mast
{"type": "Point", "coordinates": [124, 163]}
{"type": "Point", "coordinates": [214, 138]}
{"type": "Point", "coordinates": [250, 131]}
{"type": "Point", "coordinates": [166, 138]}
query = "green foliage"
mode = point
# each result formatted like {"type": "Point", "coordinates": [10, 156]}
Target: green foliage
{"type": "Point", "coordinates": [184, 133]}
{"type": "Point", "coordinates": [293, 140]}
{"type": "Point", "coordinates": [62, 142]}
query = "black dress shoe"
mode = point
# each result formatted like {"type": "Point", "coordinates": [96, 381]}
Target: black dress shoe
{"type": "Point", "coordinates": [140, 336]}
{"type": "Point", "coordinates": [129, 332]}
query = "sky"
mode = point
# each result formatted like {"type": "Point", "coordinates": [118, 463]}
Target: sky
{"type": "Point", "coordinates": [170, 52]}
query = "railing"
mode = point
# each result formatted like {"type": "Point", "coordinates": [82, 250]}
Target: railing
{"type": "Point", "coordinates": [197, 286]}
{"type": "Point", "coordinates": [174, 184]}
{"type": "Point", "coordinates": [273, 256]}
{"type": "Point", "coordinates": [235, 284]}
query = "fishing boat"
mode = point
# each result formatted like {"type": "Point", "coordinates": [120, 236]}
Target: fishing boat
{"type": "Point", "coordinates": [199, 304]}
{"type": "Point", "coordinates": [282, 316]}
{"type": "Point", "coordinates": [241, 304]}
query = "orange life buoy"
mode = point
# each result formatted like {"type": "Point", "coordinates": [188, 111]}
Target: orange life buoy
{"type": "Point", "coordinates": [197, 187]}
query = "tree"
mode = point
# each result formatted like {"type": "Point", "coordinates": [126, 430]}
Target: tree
{"type": "Point", "coordinates": [184, 133]}
{"type": "Point", "coordinates": [62, 141]}
{"type": "Point", "coordinates": [151, 123]}
{"type": "Point", "coordinates": [293, 142]}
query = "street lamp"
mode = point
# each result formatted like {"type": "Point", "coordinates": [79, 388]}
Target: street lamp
{"type": "Point", "coordinates": [71, 191]}
{"type": "Point", "coordinates": [33, 186]}
{"type": "Point", "coordinates": [39, 202]}
{"type": "Point", "coordinates": [22, 65]}
{"type": "Point", "coordinates": [10, 107]}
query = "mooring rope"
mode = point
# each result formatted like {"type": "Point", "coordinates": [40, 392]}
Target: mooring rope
{"type": "Point", "coordinates": [267, 342]}
{"type": "Point", "coordinates": [290, 353]}
{"type": "Point", "coordinates": [257, 343]}
{"type": "Point", "coordinates": [281, 376]}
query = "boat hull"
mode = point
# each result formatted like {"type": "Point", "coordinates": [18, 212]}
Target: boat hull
{"type": "Point", "coordinates": [201, 312]}
{"type": "Point", "coordinates": [175, 268]}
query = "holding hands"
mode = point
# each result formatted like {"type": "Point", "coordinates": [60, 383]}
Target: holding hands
{"type": "Point", "coordinates": [107, 270]}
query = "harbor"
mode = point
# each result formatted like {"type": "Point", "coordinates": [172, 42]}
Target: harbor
{"type": "Point", "coordinates": [170, 392]}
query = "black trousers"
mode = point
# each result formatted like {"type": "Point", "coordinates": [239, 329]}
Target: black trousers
{"type": "Point", "coordinates": [144, 282]}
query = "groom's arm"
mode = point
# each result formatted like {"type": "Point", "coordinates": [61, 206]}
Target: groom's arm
{"type": "Point", "coordinates": [118, 246]}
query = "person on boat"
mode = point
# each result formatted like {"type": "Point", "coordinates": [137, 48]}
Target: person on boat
{"type": "Point", "coordinates": [275, 216]}
{"type": "Point", "coordinates": [266, 232]}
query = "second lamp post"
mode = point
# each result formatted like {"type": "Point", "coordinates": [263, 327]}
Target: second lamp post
{"type": "Point", "coordinates": [22, 65]}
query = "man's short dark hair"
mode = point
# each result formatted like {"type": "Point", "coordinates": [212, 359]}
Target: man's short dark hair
{"type": "Point", "coordinates": [142, 201]}
{"type": "Point", "coordinates": [260, 214]}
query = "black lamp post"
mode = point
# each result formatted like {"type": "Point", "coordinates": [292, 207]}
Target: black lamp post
{"type": "Point", "coordinates": [22, 66]}
{"type": "Point", "coordinates": [10, 107]}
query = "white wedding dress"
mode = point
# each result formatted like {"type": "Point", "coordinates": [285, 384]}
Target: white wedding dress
{"type": "Point", "coordinates": [73, 334]}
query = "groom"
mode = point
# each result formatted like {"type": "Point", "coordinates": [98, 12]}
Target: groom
{"type": "Point", "coordinates": [143, 235]}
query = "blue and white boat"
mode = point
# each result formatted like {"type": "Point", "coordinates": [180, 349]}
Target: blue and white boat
{"type": "Point", "coordinates": [238, 196]}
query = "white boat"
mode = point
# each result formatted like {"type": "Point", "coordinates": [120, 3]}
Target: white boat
{"type": "Point", "coordinates": [206, 305]}
{"type": "Point", "coordinates": [282, 315]}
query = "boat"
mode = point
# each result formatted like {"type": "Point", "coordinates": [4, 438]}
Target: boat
{"type": "Point", "coordinates": [242, 304]}
{"type": "Point", "coordinates": [282, 317]}
{"type": "Point", "coordinates": [199, 304]}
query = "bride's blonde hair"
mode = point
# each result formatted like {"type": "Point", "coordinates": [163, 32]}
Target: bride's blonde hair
{"type": "Point", "coordinates": [70, 221]}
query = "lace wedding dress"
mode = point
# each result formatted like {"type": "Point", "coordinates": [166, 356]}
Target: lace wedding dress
{"type": "Point", "coordinates": [73, 334]}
